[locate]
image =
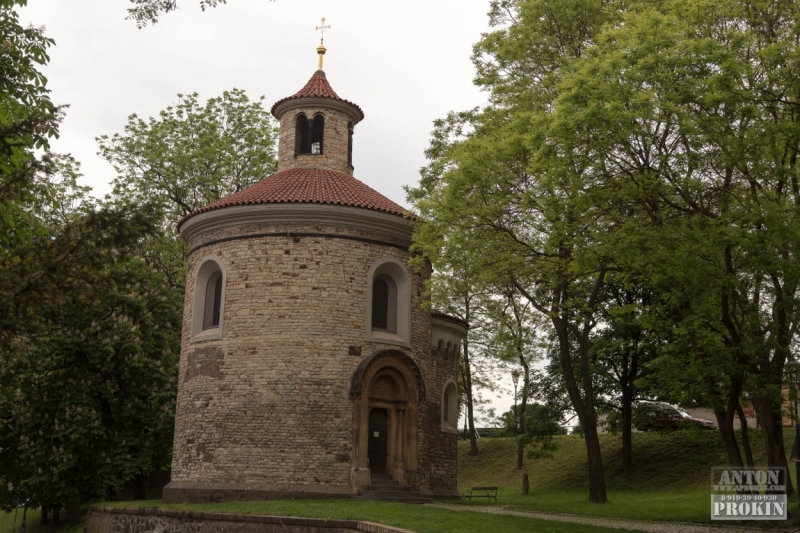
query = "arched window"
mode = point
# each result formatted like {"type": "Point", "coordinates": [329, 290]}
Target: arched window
{"type": "Point", "coordinates": [384, 304]}
{"type": "Point", "coordinates": [389, 303]}
{"type": "Point", "coordinates": [302, 137]}
{"type": "Point", "coordinates": [317, 134]}
{"type": "Point", "coordinates": [450, 408]}
{"type": "Point", "coordinates": [213, 301]}
{"type": "Point", "coordinates": [209, 300]}
{"type": "Point", "coordinates": [350, 143]}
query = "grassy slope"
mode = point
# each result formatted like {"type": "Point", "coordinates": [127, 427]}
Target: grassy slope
{"type": "Point", "coordinates": [670, 478]}
{"type": "Point", "coordinates": [678, 460]}
{"type": "Point", "coordinates": [669, 481]}
{"type": "Point", "coordinates": [414, 517]}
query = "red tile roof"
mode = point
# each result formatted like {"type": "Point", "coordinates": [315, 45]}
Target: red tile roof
{"type": "Point", "coordinates": [440, 314]}
{"type": "Point", "coordinates": [307, 185]}
{"type": "Point", "coordinates": [317, 87]}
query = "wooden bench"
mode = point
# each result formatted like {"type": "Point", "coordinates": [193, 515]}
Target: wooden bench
{"type": "Point", "coordinates": [480, 492]}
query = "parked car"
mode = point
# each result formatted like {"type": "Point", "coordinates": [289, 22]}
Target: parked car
{"type": "Point", "coordinates": [660, 416]}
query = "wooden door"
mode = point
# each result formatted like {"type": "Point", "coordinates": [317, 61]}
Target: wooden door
{"type": "Point", "coordinates": [378, 440]}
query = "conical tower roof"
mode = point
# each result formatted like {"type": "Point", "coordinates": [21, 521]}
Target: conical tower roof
{"type": "Point", "coordinates": [317, 87]}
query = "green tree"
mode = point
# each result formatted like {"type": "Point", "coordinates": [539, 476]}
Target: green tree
{"type": "Point", "coordinates": [28, 119]}
{"type": "Point", "coordinates": [455, 287]}
{"type": "Point", "coordinates": [515, 342]}
{"type": "Point", "coordinates": [90, 373]}
{"type": "Point", "coordinates": [193, 154]}
{"type": "Point", "coordinates": [88, 340]}
{"type": "Point", "coordinates": [148, 11]}
{"type": "Point", "coordinates": [691, 111]}
{"type": "Point", "coordinates": [621, 352]}
{"type": "Point", "coordinates": [539, 219]}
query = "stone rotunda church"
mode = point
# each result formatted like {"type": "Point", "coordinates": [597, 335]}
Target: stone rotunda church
{"type": "Point", "coordinates": [308, 365]}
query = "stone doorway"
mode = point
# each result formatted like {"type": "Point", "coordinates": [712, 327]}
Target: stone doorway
{"type": "Point", "coordinates": [378, 440]}
{"type": "Point", "coordinates": [387, 388]}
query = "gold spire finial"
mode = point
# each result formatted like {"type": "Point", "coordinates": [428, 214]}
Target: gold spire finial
{"type": "Point", "coordinates": [321, 48]}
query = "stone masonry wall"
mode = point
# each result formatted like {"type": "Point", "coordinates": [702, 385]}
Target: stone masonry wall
{"type": "Point", "coordinates": [267, 405]}
{"type": "Point", "coordinates": [334, 144]}
{"type": "Point", "coordinates": [438, 449]}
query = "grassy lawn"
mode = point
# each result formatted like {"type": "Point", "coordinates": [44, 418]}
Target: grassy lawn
{"type": "Point", "coordinates": [669, 480]}
{"type": "Point", "coordinates": [414, 517]}
{"type": "Point", "coordinates": [34, 522]}
{"type": "Point", "coordinates": [7, 520]}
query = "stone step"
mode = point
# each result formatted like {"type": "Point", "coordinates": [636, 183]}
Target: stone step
{"type": "Point", "coordinates": [385, 482]}
{"type": "Point", "coordinates": [374, 475]}
{"type": "Point", "coordinates": [389, 488]}
{"type": "Point", "coordinates": [383, 491]}
{"type": "Point", "coordinates": [413, 497]}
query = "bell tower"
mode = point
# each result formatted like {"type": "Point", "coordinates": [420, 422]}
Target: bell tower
{"type": "Point", "coordinates": [316, 125]}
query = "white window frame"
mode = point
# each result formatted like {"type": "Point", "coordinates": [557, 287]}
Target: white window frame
{"type": "Point", "coordinates": [209, 265]}
{"type": "Point", "coordinates": [396, 270]}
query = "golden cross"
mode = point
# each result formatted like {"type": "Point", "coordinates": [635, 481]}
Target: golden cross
{"type": "Point", "coordinates": [321, 29]}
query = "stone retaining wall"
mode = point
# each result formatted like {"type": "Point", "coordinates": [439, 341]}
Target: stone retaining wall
{"type": "Point", "coordinates": [126, 520]}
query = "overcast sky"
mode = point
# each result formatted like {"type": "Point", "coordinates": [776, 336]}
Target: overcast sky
{"type": "Point", "coordinates": [406, 63]}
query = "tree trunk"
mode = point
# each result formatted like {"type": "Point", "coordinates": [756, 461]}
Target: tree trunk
{"type": "Point", "coordinates": [725, 424]}
{"type": "Point", "coordinates": [583, 404]}
{"type": "Point", "coordinates": [525, 484]}
{"type": "Point", "coordinates": [56, 516]}
{"type": "Point", "coordinates": [724, 404]}
{"type": "Point", "coordinates": [44, 515]}
{"type": "Point", "coordinates": [473, 441]}
{"type": "Point", "coordinates": [74, 512]}
{"type": "Point", "coordinates": [627, 421]}
{"type": "Point", "coordinates": [523, 408]}
{"type": "Point", "coordinates": [140, 487]}
{"type": "Point", "coordinates": [748, 453]}
{"type": "Point", "coordinates": [770, 419]}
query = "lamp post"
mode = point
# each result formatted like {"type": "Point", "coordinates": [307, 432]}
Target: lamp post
{"type": "Point", "coordinates": [515, 377]}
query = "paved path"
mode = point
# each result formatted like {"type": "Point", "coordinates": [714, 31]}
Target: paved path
{"type": "Point", "coordinates": [616, 523]}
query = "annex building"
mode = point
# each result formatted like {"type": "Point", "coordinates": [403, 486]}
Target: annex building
{"type": "Point", "coordinates": [309, 366]}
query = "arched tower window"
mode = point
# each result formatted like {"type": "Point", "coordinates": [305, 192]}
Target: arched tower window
{"type": "Point", "coordinates": [388, 303]}
{"type": "Point", "coordinates": [317, 134]}
{"type": "Point", "coordinates": [384, 304]}
{"type": "Point", "coordinates": [302, 135]}
{"type": "Point", "coordinates": [450, 408]}
{"type": "Point", "coordinates": [213, 301]}
{"type": "Point", "coordinates": [350, 143]}
{"type": "Point", "coordinates": [209, 300]}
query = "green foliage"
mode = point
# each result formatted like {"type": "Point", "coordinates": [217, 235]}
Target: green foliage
{"type": "Point", "coordinates": [96, 389]}
{"type": "Point", "coordinates": [28, 119]}
{"type": "Point", "coordinates": [148, 11]}
{"type": "Point", "coordinates": [89, 351]}
{"type": "Point", "coordinates": [649, 146]}
{"type": "Point", "coordinates": [192, 154]}
{"type": "Point", "coordinates": [88, 330]}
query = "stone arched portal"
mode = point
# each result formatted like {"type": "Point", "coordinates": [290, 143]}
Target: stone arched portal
{"type": "Point", "coordinates": [386, 390]}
